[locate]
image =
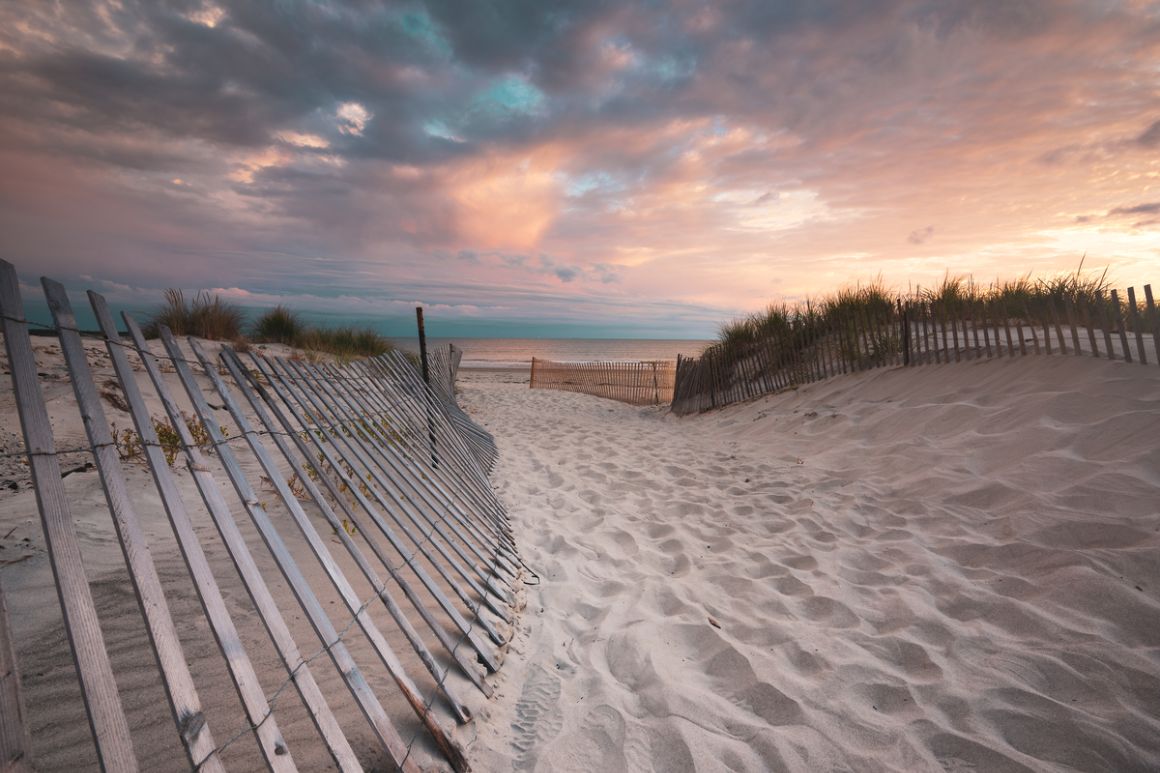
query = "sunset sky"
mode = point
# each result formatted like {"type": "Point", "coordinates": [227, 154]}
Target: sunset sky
{"type": "Point", "coordinates": [575, 167]}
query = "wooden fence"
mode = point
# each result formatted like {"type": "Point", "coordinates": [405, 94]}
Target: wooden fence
{"type": "Point", "coordinates": [648, 382]}
{"type": "Point", "coordinates": [360, 468]}
{"type": "Point", "coordinates": [913, 332]}
{"type": "Point", "coordinates": [444, 368]}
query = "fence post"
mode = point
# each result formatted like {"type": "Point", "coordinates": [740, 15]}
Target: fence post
{"type": "Point", "coordinates": [1134, 317]}
{"type": "Point", "coordinates": [426, 380]}
{"type": "Point", "coordinates": [422, 345]}
{"type": "Point", "coordinates": [1119, 320]}
{"type": "Point", "coordinates": [1155, 319]}
{"type": "Point", "coordinates": [905, 337]}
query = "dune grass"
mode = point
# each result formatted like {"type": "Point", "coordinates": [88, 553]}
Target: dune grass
{"type": "Point", "coordinates": [283, 326]}
{"type": "Point", "coordinates": [279, 325]}
{"type": "Point", "coordinates": [863, 308]}
{"type": "Point", "coordinates": [206, 316]}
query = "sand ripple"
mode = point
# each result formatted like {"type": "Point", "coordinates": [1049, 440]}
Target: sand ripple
{"type": "Point", "coordinates": [942, 569]}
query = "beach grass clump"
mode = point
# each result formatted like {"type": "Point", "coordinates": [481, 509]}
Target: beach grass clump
{"type": "Point", "coordinates": [279, 325]}
{"type": "Point", "coordinates": [345, 343]}
{"type": "Point", "coordinates": [860, 322]}
{"type": "Point", "coordinates": [206, 316]}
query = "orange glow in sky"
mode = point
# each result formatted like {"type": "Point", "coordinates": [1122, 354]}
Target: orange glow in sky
{"type": "Point", "coordinates": [667, 165]}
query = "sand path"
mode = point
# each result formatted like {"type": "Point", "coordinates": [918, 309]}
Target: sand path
{"type": "Point", "coordinates": [950, 568]}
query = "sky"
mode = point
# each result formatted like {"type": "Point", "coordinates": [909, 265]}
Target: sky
{"type": "Point", "coordinates": [573, 168]}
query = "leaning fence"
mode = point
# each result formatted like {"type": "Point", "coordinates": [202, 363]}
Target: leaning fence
{"type": "Point", "coordinates": [812, 345]}
{"type": "Point", "coordinates": [443, 369]}
{"type": "Point", "coordinates": [648, 382]}
{"type": "Point", "coordinates": [352, 514]}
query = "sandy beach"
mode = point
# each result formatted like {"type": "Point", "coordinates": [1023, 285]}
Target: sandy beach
{"type": "Point", "coordinates": [950, 568]}
{"type": "Point", "coordinates": [943, 568]}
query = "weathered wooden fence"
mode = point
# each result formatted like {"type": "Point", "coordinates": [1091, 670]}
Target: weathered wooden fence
{"type": "Point", "coordinates": [444, 367]}
{"type": "Point", "coordinates": [912, 332]}
{"type": "Point", "coordinates": [358, 467]}
{"type": "Point", "coordinates": [648, 382]}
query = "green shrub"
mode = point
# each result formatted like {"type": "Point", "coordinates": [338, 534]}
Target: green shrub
{"type": "Point", "coordinates": [282, 326]}
{"type": "Point", "coordinates": [279, 325]}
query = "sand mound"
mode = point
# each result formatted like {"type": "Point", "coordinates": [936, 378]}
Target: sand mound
{"type": "Point", "coordinates": [948, 568]}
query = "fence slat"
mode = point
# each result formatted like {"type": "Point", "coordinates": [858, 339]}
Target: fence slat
{"type": "Point", "coordinates": [1155, 318]}
{"type": "Point", "coordinates": [338, 579]}
{"type": "Point", "coordinates": [1118, 318]}
{"type": "Point", "coordinates": [184, 704]}
{"type": "Point", "coordinates": [376, 515]}
{"type": "Point", "coordinates": [15, 744]}
{"type": "Point", "coordinates": [1134, 317]}
{"type": "Point", "coordinates": [252, 579]}
{"type": "Point", "coordinates": [241, 670]}
{"type": "Point", "coordinates": [854, 337]}
{"type": "Point", "coordinates": [1053, 312]}
{"type": "Point", "coordinates": [106, 715]}
{"type": "Point", "coordinates": [1069, 310]}
{"type": "Point", "coordinates": [646, 382]}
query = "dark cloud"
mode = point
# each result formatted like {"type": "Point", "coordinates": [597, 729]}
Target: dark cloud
{"type": "Point", "coordinates": [162, 129]}
{"type": "Point", "coordinates": [921, 236]}
{"type": "Point", "coordinates": [1151, 208]}
{"type": "Point", "coordinates": [1151, 136]}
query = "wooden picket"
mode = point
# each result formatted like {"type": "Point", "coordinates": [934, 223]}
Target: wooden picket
{"type": "Point", "coordinates": [378, 453]}
{"type": "Point", "coordinates": [907, 333]}
{"type": "Point", "coordinates": [648, 382]}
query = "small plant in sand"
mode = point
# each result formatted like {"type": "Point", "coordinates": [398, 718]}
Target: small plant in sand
{"type": "Point", "coordinates": [128, 443]}
{"type": "Point", "coordinates": [168, 438]}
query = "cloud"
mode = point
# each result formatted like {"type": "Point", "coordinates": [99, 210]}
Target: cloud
{"type": "Point", "coordinates": [709, 156]}
{"type": "Point", "coordinates": [921, 236]}
{"type": "Point", "coordinates": [1151, 208]}
{"type": "Point", "coordinates": [1150, 138]}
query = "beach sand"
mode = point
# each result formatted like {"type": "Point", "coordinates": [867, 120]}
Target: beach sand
{"type": "Point", "coordinates": [945, 568]}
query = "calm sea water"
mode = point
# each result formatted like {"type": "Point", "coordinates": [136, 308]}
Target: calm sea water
{"type": "Point", "coordinates": [518, 352]}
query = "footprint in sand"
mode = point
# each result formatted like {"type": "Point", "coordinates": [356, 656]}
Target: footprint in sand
{"type": "Point", "coordinates": [538, 718]}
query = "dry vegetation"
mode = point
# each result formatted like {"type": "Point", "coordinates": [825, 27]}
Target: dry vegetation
{"type": "Point", "coordinates": [1027, 300]}
{"type": "Point", "coordinates": [207, 316]}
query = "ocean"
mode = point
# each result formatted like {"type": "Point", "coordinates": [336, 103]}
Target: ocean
{"type": "Point", "coordinates": [517, 353]}
{"type": "Point", "coordinates": [514, 353]}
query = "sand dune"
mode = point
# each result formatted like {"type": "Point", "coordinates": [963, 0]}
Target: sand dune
{"type": "Point", "coordinates": [948, 568]}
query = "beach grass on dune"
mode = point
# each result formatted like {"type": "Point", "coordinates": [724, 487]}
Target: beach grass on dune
{"type": "Point", "coordinates": [279, 325]}
{"type": "Point", "coordinates": [208, 316]}
{"type": "Point", "coordinates": [1025, 299]}
{"type": "Point", "coordinates": [283, 326]}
